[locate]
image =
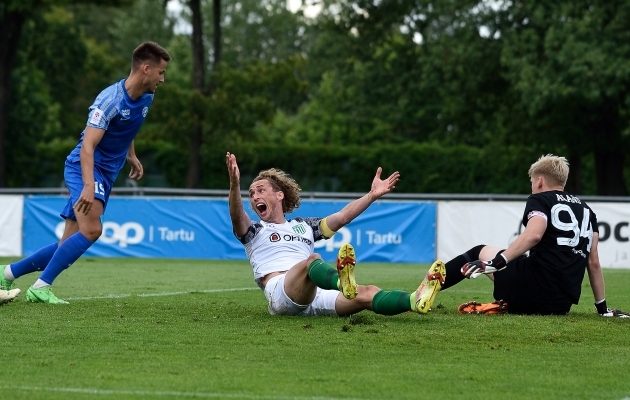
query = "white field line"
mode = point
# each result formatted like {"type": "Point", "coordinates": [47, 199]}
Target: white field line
{"type": "Point", "coordinates": [150, 393]}
{"type": "Point", "coordinates": [159, 294]}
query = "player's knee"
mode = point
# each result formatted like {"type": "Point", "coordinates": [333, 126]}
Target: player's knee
{"type": "Point", "coordinates": [92, 233]}
{"type": "Point", "coordinates": [473, 254]}
{"type": "Point", "coordinates": [312, 258]}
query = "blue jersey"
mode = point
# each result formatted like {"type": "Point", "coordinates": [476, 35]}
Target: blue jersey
{"type": "Point", "coordinates": [121, 118]}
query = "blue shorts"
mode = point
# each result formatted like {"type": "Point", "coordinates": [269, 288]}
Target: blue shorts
{"type": "Point", "coordinates": [74, 182]}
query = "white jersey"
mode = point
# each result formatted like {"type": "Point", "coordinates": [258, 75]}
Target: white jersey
{"type": "Point", "coordinates": [278, 247]}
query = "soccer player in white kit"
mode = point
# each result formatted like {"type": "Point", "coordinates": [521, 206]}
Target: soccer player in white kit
{"type": "Point", "coordinates": [296, 281]}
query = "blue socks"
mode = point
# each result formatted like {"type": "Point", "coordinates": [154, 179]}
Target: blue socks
{"type": "Point", "coordinates": [35, 262]}
{"type": "Point", "coordinates": [68, 252]}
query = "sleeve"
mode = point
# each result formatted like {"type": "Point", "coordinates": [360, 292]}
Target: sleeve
{"type": "Point", "coordinates": [104, 109]}
{"type": "Point", "coordinates": [594, 225]}
{"type": "Point", "coordinates": [315, 224]}
{"type": "Point", "coordinates": [253, 230]}
{"type": "Point", "coordinates": [535, 207]}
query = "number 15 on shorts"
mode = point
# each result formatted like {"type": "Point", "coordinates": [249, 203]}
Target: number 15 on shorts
{"type": "Point", "coordinates": [99, 189]}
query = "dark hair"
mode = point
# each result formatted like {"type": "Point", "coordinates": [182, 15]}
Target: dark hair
{"type": "Point", "coordinates": [149, 52]}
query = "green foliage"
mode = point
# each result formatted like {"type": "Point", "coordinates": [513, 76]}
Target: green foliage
{"type": "Point", "coordinates": [255, 30]}
{"type": "Point", "coordinates": [479, 90]}
{"type": "Point", "coordinates": [425, 168]}
{"type": "Point", "coordinates": [201, 329]}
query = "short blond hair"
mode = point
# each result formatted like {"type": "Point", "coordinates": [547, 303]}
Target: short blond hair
{"type": "Point", "coordinates": [282, 182]}
{"type": "Point", "coordinates": [553, 168]}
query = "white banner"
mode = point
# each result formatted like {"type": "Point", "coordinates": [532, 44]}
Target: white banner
{"type": "Point", "coordinates": [465, 224]}
{"type": "Point", "coordinates": [11, 213]}
{"type": "Point", "coordinates": [613, 220]}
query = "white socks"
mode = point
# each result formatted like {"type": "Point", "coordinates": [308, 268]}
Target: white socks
{"type": "Point", "coordinates": [8, 274]}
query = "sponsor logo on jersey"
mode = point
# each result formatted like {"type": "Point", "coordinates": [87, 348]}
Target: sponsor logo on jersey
{"type": "Point", "coordinates": [299, 229]}
{"type": "Point", "coordinates": [126, 113]}
{"type": "Point", "coordinates": [276, 237]}
{"type": "Point", "coordinates": [96, 117]}
{"type": "Point", "coordinates": [145, 111]}
{"type": "Point", "coordinates": [579, 252]}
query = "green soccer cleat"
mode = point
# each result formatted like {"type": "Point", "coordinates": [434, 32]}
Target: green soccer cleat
{"type": "Point", "coordinates": [346, 260]}
{"type": "Point", "coordinates": [5, 284]}
{"type": "Point", "coordinates": [430, 286]}
{"type": "Point", "coordinates": [7, 296]}
{"type": "Point", "coordinates": [43, 295]}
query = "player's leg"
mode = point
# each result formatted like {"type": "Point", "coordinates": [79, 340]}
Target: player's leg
{"type": "Point", "coordinates": [40, 259]}
{"type": "Point", "coordinates": [454, 266]}
{"type": "Point", "coordinates": [80, 232]}
{"type": "Point", "coordinates": [35, 262]}
{"type": "Point", "coordinates": [78, 237]}
{"type": "Point", "coordinates": [341, 278]}
{"type": "Point", "coordinates": [393, 302]}
{"type": "Point", "coordinates": [298, 286]}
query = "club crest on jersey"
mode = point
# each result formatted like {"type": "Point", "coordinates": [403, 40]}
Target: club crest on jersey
{"type": "Point", "coordinates": [299, 229]}
{"type": "Point", "coordinates": [96, 117]}
{"type": "Point", "coordinates": [145, 111]}
{"type": "Point", "coordinates": [274, 237]}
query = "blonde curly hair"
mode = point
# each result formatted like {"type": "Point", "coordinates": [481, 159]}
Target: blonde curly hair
{"type": "Point", "coordinates": [282, 182]}
{"type": "Point", "coordinates": [554, 168]}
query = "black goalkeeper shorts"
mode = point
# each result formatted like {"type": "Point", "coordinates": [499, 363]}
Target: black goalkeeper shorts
{"type": "Point", "coordinates": [515, 285]}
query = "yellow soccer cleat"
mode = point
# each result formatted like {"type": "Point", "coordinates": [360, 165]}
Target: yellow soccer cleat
{"type": "Point", "coordinates": [430, 286]}
{"type": "Point", "coordinates": [346, 260]}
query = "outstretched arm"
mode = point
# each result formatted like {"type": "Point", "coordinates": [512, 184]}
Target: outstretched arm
{"type": "Point", "coordinates": [240, 219]}
{"type": "Point", "coordinates": [594, 269]}
{"type": "Point", "coordinates": [380, 187]}
{"type": "Point", "coordinates": [532, 234]}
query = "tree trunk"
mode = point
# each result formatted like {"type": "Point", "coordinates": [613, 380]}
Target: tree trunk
{"type": "Point", "coordinates": [193, 176]}
{"type": "Point", "coordinates": [217, 32]}
{"type": "Point", "coordinates": [10, 30]}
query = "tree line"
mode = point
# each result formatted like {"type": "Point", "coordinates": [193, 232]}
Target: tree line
{"type": "Point", "coordinates": [460, 96]}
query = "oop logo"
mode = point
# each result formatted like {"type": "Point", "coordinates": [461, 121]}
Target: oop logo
{"type": "Point", "coordinates": [114, 233]}
{"type": "Point", "coordinates": [274, 237]}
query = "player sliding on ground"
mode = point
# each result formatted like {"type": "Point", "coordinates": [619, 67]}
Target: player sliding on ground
{"type": "Point", "coordinates": [297, 281]}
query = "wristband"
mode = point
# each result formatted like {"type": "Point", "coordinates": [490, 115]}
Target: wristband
{"type": "Point", "coordinates": [499, 261]}
{"type": "Point", "coordinates": [601, 307]}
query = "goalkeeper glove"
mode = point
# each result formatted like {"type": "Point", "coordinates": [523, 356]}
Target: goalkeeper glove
{"type": "Point", "coordinates": [478, 268]}
{"type": "Point", "coordinates": [604, 311]}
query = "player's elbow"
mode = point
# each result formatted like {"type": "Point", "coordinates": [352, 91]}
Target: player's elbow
{"type": "Point", "coordinates": [594, 264]}
{"type": "Point", "coordinates": [533, 238]}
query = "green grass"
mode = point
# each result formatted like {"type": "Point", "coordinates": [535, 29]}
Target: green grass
{"type": "Point", "coordinates": [168, 329]}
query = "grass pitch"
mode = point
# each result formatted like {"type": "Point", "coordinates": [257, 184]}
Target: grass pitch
{"type": "Point", "coordinates": [171, 329]}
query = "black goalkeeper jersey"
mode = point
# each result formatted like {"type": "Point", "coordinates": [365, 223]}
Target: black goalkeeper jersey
{"type": "Point", "coordinates": [556, 264]}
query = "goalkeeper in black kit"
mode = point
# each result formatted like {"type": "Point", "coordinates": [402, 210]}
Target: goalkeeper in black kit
{"type": "Point", "coordinates": [561, 236]}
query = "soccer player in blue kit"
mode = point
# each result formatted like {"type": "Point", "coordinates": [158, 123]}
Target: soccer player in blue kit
{"type": "Point", "coordinates": [90, 170]}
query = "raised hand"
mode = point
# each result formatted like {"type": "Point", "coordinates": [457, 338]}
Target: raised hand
{"type": "Point", "coordinates": [233, 171]}
{"type": "Point", "coordinates": [380, 186]}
